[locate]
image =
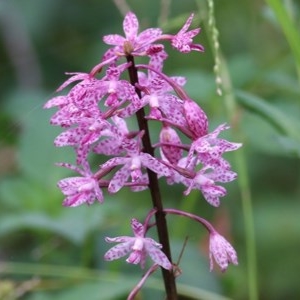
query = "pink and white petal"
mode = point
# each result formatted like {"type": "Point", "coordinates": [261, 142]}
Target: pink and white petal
{"type": "Point", "coordinates": [212, 200]}
{"type": "Point", "coordinates": [70, 181]}
{"type": "Point", "coordinates": [82, 153]}
{"type": "Point", "coordinates": [91, 136]}
{"type": "Point", "coordinates": [137, 228]}
{"type": "Point", "coordinates": [114, 162]}
{"type": "Point", "coordinates": [114, 40]}
{"type": "Point", "coordinates": [56, 101]}
{"type": "Point", "coordinates": [109, 146]}
{"type": "Point", "coordinates": [190, 158]}
{"type": "Point", "coordinates": [70, 185]}
{"type": "Point", "coordinates": [141, 184]}
{"type": "Point", "coordinates": [87, 170]}
{"type": "Point", "coordinates": [192, 33]}
{"type": "Point", "coordinates": [77, 76]}
{"type": "Point", "coordinates": [112, 73]}
{"type": "Point", "coordinates": [222, 175]}
{"type": "Point", "coordinates": [186, 24]}
{"type": "Point", "coordinates": [224, 164]}
{"type": "Point", "coordinates": [157, 256]}
{"type": "Point", "coordinates": [197, 47]}
{"type": "Point", "coordinates": [124, 90]}
{"type": "Point", "coordinates": [180, 80]}
{"type": "Point", "coordinates": [217, 131]}
{"type": "Point", "coordinates": [119, 179]}
{"type": "Point", "coordinates": [70, 137]}
{"type": "Point", "coordinates": [153, 242]}
{"type": "Point", "coordinates": [149, 35]}
{"type": "Point", "coordinates": [201, 145]}
{"type": "Point", "coordinates": [78, 199]}
{"type": "Point", "coordinates": [65, 117]}
{"type": "Point", "coordinates": [89, 98]}
{"type": "Point", "coordinates": [215, 190]}
{"type": "Point", "coordinates": [71, 201]}
{"type": "Point", "coordinates": [173, 109]}
{"type": "Point", "coordinates": [118, 251]}
{"type": "Point", "coordinates": [190, 183]}
{"type": "Point", "coordinates": [225, 146]}
{"type": "Point", "coordinates": [98, 193]}
{"type": "Point", "coordinates": [130, 26]}
{"type": "Point", "coordinates": [143, 78]}
{"type": "Point", "coordinates": [156, 62]}
{"type": "Point", "coordinates": [108, 57]}
{"type": "Point", "coordinates": [120, 239]}
{"type": "Point", "coordinates": [139, 188]}
{"type": "Point", "coordinates": [155, 165]}
{"type": "Point", "coordinates": [134, 257]}
{"type": "Point", "coordinates": [185, 48]}
{"type": "Point", "coordinates": [131, 109]}
{"type": "Point", "coordinates": [136, 174]}
{"type": "Point", "coordinates": [212, 194]}
{"type": "Point", "coordinates": [121, 124]}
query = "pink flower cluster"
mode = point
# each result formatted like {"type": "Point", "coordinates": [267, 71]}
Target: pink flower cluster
{"type": "Point", "coordinates": [95, 114]}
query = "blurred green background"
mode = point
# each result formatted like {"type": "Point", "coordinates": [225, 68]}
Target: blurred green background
{"type": "Point", "coordinates": [47, 251]}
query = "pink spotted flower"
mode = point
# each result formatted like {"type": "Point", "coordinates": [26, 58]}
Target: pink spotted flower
{"type": "Point", "coordinates": [221, 251]}
{"type": "Point", "coordinates": [209, 148]}
{"type": "Point", "coordinates": [80, 189]}
{"type": "Point", "coordinates": [205, 181]}
{"type": "Point", "coordinates": [139, 246]}
{"type": "Point", "coordinates": [133, 166]}
{"type": "Point", "coordinates": [183, 40]}
{"type": "Point", "coordinates": [133, 43]}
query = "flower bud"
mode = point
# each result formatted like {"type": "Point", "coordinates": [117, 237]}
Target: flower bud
{"type": "Point", "coordinates": [196, 118]}
{"type": "Point", "coordinates": [170, 136]}
{"type": "Point", "coordinates": [221, 250]}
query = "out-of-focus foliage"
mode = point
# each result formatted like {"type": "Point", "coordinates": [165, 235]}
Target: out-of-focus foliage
{"type": "Point", "coordinates": [48, 251]}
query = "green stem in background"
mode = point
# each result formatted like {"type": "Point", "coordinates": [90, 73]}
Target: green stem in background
{"type": "Point", "coordinates": [289, 29]}
{"type": "Point", "coordinates": [224, 86]}
{"type": "Point", "coordinates": [244, 186]}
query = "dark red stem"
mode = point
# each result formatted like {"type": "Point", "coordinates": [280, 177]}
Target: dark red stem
{"type": "Point", "coordinates": [161, 224]}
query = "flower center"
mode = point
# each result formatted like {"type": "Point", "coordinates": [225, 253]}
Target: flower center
{"type": "Point", "coordinates": [128, 48]}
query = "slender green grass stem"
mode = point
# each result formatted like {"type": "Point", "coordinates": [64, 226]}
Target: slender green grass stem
{"type": "Point", "coordinates": [243, 181]}
{"type": "Point", "coordinates": [224, 87]}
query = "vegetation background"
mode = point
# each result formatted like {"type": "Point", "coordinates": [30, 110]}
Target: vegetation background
{"type": "Point", "coordinates": [48, 251]}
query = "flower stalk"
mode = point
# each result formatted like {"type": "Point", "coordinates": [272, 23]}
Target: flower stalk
{"type": "Point", "coordinates": [162, 230]}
